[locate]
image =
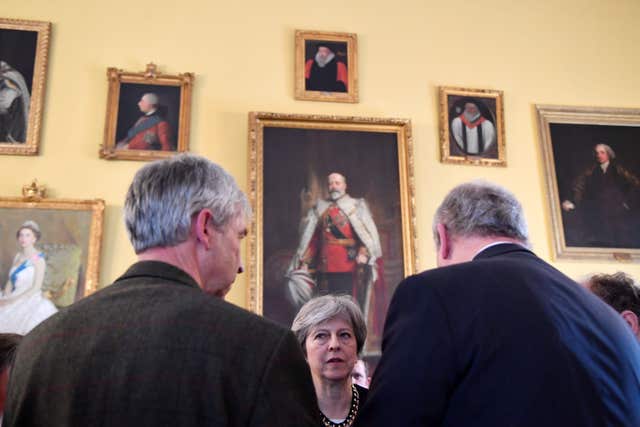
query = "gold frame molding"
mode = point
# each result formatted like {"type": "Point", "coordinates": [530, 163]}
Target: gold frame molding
{"type": "Point", "coordinates": [148, 77]}
{"type": "Point", "coordinates": [445, 133]}
{"type": "Point", "coordinates": [34, 198]}
{"type": "Point", "coordinates": [32, 144]}
{"type": "Point", "coordinates": [259, 120]}
{"type": "Point", "coordinates": [550, 114]}
{"type": "Point", "coordinates": [301, 36]}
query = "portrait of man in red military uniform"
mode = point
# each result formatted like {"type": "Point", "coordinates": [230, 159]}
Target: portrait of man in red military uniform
{"type": "Point", "coordinates": [339, 250]}
{"type": "Point", "coordinates": [151, 131]}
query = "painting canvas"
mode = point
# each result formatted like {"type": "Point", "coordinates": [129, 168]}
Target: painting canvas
{"type": "Point", "coordinates": [471, 126]}
{"type": "Point", "coordinates": [49, 257]}
{"type": "Point", "coordinates": [310, 238]}
{"type": "Point", "coordinates": [147, 114]}
{"type": "Point", "coordinates": [326, 66]}
{"type": "Point", "coordinates": [24, 47]}
{"type": "Point", "coordinates": [592, 160]}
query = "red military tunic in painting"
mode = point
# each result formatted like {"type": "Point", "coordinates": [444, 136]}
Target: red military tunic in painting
{"type": "Point", "coordinates": [153, 138]}
{"type": "Point", "coordinates": [334, 244]}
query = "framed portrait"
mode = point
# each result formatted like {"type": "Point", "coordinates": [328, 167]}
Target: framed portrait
{"type": "Point", "coordinates": [334, 213]}
{"type": "Point", "coordinates": [24, 50]}
{"type": "Point", "coordinates": [592, 168]}
{"type": "Point", "coordinates": [472, 126]}
{"type": "Point", "coordinates": [148, 114]}
{"type": "Point", "coordinates": [49, 257]}
{"type": "Point", "coordinates": [326, 66]}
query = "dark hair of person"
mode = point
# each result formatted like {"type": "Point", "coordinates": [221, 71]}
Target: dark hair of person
{"type": "Point", "coordinates": [618, 290]}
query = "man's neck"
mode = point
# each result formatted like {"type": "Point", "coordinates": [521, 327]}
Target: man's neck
{"type": "Point", "coordinates": [498, 242]}
{"type": "Point", "coordinates": [148, 113]}
{"type": "Point", "coordinates": [182, 256]}
{"type": "Point", "coordinates": [465, 249]}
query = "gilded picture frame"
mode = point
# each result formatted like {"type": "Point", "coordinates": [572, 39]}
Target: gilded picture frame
{"type": "Point", "coordinates": [24, 53]}
{"type": "Point", "coordinates": [67, 235]}
{"type": "Point", "coordinates": [290, 159]}
{"type": "Point", "coordinates": [472, 126]}
{"type": "Point", "coordinates": [592, 171]}
{"type": "Point", "coordinates": [326, 66]}
{"type": "Point", "coordinates": [148, 114]}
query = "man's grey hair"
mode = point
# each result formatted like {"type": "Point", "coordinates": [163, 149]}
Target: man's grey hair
{"type": "Point", "coordinates": [151, 98]}
{"type": "Point", "coordinates": [480, 208]}
{"type": "Point", "coordinates": [609, 150]}
{"type": "Point", "coordinates": [166, 194]}
{"type": "Point", "coordinates": [321, 309]}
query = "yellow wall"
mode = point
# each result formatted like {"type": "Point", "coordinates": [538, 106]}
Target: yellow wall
{"type": "Point", "coordinates": [548, 52]}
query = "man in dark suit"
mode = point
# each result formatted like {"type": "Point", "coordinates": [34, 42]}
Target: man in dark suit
{"type": "Point", "coordinates": [498, 337]}
{"type": "Point", "coordinates": [160, 346]}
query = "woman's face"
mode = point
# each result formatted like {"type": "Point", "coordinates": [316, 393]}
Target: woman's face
{"type": "Point", "coordinates": [26, 238]}
{"type": "Point", "coordinates": [332, 350]}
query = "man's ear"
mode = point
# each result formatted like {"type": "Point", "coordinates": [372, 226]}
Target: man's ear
{"type": "Point", "coordinates": [632, 320]}
{"type": "Point", "coordinates": [201, 223]}
{"type": "Point", "coordinates": [444, 251]}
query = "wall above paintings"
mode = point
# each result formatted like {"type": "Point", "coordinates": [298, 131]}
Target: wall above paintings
{"type": "Point", "coordinates": [243, 58]}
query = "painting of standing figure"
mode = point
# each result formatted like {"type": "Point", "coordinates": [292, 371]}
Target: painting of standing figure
{"type": "Point", "coordinates": [592, 160]}
{"type": "Point", "coordinates": [334, 214]}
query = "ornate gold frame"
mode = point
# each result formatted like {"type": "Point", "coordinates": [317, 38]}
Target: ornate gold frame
{"type": "Point", "coordinates": [549, 114]}
{"type": "Point", "coordinates": [148, 77]}
{"type": "Point", "coordinates": [34, 198]}
{"type": "Point", "coordinates": [32, 143]}
{"type": "Point", "coordinates": [352, 58]}
{"type": "Point", "coordinates": [259, 120]}
{"type": "Point", "coordinates": [445, 134]}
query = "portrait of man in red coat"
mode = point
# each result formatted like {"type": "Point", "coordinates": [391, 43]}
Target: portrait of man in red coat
{"type": "Point", "coordinates": [151, 131]}
{"type": "Point", "coordinates": [339, 251]}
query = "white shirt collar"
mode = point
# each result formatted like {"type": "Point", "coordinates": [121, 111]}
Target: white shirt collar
{"type": "Point", "coordinates": [604, 166]}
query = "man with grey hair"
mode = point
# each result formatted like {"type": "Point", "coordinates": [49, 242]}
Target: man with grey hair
{"type": "Point", "coordinates": [151, 131]}
{"type": "Point", "coordinates": [498, 337]}
{"type": "Point", "coordinates": [161, 346]}
{"type": "Point", "coordinates": [603, 197]}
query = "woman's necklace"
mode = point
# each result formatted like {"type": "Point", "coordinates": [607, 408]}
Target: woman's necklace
{"type": "Point", "coordinates": [351, 416]}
